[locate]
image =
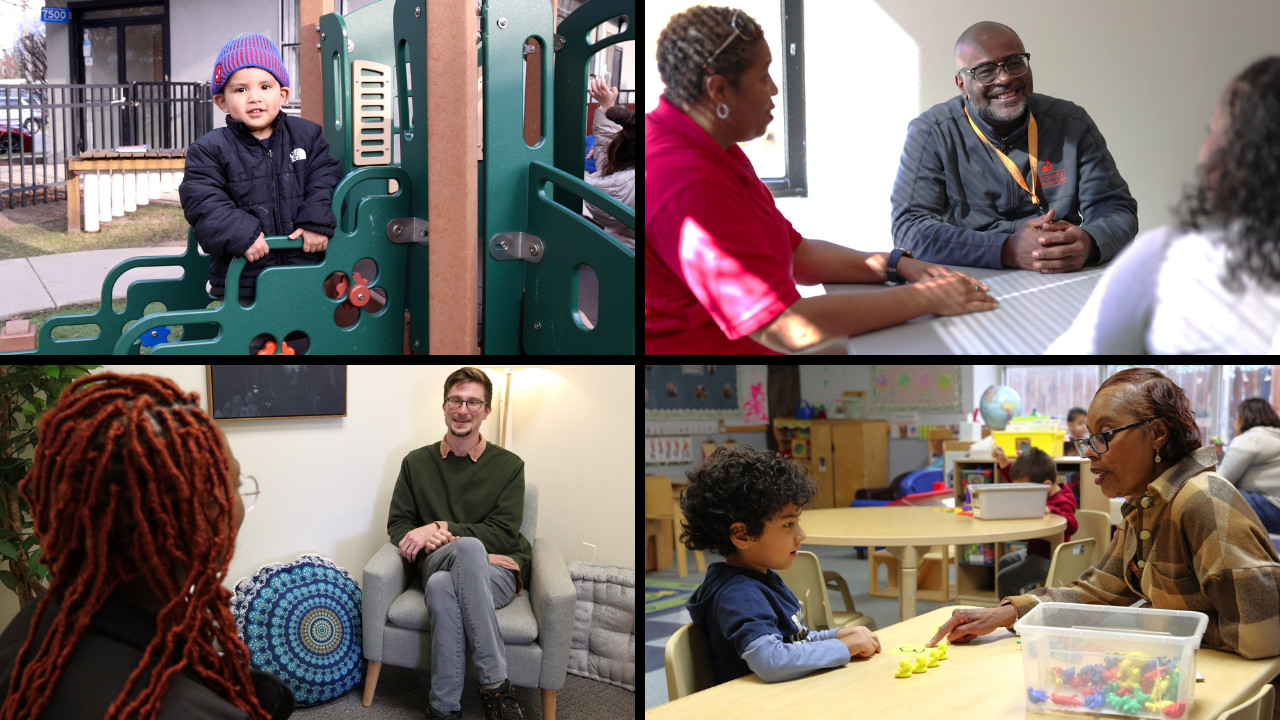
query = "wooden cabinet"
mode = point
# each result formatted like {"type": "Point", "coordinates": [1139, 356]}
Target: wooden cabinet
{"type": "Point", "coordinates": [844, 456]}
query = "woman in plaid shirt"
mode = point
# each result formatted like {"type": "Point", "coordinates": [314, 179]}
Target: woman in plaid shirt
{"type": "Point", "coordinates": [1188, 540]}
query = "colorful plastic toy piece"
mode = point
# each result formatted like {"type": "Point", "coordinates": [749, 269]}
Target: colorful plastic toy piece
{"type": "Point", "coordinates": [922, 664]}
{"type": "Point", "coordinates": [1036, 696]}
{"type": "Point", "coordinates": [904, 669]}
{"type": "Point", "coordinates": [1175, 710]}
{"type": "Point", "coordinates": [155, 337]}
{"type": "Point", "coordinates": [1068, 700]}
{"type": "Point", "coordinates": [933, 659]}
{"type": "Point", "coordinates": [942, 650]}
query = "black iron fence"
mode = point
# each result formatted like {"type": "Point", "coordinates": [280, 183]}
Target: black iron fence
{"type": "Point", "coordinates": [43, 125]}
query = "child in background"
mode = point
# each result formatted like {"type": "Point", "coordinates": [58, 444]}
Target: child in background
{"type": "Point", "coordinates": [1075, 430]}
{"type": "Point", "coordinates": [1025, 569]}
{"type": "Point", "coordinates": [265, 173]}
{"type": "Point", "coordinates": [745, 505]}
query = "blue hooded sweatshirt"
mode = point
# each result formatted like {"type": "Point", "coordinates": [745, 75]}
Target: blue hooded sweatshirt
{"type": "Point", "coordinates": [756, 625]}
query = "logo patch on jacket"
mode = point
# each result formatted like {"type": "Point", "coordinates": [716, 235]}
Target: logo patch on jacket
{"type": "Point", "coordinates": [1049, 177]}
{"type": "Point", "coordinates": [298, 154]}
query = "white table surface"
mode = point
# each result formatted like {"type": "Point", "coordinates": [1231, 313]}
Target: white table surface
{"type": "Point", "coordinates": [1034, 310]}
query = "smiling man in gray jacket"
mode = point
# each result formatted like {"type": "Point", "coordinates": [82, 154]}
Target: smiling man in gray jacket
{"type": "Point", "coordinates": [969, 192]}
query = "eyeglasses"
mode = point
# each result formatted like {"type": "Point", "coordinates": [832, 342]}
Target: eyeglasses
{"type": "Point", "coordinates": [746, 33]}
{"type": "Point", "coordinates": [249, 491]}
{"type": "Point", "coordinates": [1099, 442]}
{"type": "Point", "coordinates": [1015, 65]}
{"type": "Point", "coordinates": [472, 405]}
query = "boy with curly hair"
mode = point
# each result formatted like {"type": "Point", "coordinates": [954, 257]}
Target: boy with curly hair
{"type": "Point", "coordinates": [745, 505]}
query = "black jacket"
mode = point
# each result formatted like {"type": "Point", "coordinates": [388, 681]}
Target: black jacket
{"type": "Point", "coordinates": [955, 203]}
{"type": "Point", "coordinates": [108, 653]}
{"type": "Point", "coordinates": [234, 189]}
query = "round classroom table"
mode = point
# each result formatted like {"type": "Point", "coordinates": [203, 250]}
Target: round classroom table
{"type": "Point", "coordinates": [909, 532]}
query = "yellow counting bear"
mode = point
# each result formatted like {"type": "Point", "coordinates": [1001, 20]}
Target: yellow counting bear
{"type": "Point", "coordinates": [926, 658]}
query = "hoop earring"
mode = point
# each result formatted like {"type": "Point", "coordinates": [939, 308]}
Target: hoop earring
{"type": "Point", "coordinates": [722, 111]}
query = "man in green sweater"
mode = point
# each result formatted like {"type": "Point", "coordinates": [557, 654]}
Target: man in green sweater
{"type": "Point", "coordinates": [456, 514]}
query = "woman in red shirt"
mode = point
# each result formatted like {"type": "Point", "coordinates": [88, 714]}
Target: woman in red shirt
{"type": "Point", "coordinates": [721, 262]}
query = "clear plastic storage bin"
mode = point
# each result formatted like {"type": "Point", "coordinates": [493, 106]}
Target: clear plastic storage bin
{"type": "Point", "coordinates": [1134, 662]}
{"type": "Point", "coordinates": [1007, 501]}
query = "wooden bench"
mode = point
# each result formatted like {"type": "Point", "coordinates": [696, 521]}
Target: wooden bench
{"type": "Point", "coordinates": [112, 161]}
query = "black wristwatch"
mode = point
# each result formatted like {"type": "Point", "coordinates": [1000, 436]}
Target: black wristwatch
{"type": "Point", "coordinates": [894, 257]}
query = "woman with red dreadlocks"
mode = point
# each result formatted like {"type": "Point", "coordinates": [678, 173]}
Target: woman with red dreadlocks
{"type": "Point", "coordinates": [133, 492]}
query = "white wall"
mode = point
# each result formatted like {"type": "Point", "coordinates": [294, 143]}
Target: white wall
{"type": "Point", "coordinates": [326, 483]}
{"type": "Point", "coordinates": [1148, 71]}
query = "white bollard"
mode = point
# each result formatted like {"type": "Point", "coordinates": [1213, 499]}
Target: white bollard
{"type": "Point", "coordinates": [155, 184]}
{"type": "Point", "coordinates": [166, 180]}
{"type": "Point", "coordinates": [90, 183]}
{"type": "Point", "coordinates": [144, 194]}
{"type": "Point", "coordinates": [130, 192]}
{"type": "Point", "coordinates": [117, 194]}
{"type": "Point", "coordinates": [104, 197]}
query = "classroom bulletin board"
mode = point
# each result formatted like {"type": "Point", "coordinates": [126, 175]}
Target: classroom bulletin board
{"type": "Point", "coordinates": [737, 394]}
{"type": "Point", "coordinates": [915, 388]}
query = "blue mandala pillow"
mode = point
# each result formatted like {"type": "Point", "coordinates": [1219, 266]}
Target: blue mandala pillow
{"type": "Point", "coordinates": [301, 622]}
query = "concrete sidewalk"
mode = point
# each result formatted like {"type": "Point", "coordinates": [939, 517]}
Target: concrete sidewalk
{"type": "Point", "coordinates": [49, 282]}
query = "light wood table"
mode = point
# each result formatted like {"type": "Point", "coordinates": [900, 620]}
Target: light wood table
{"type": "Point", "coordinates": [909, 532]}
{"type": "Point", "coordinates": [982, 680]}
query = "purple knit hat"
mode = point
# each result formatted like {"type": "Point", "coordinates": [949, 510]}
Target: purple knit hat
{"type": "Point", "coordinates": [247, 51]}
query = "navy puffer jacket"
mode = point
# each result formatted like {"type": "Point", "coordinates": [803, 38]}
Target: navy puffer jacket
{"type": "Point", "coordinates": [234, 188]}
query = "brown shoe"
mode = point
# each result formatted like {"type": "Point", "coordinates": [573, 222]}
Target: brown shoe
{"type": "Point", "coordinates": [500, 703]}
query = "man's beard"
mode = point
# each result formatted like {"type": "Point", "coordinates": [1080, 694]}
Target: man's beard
{"type": "Point", "coordinates": [995, 118]}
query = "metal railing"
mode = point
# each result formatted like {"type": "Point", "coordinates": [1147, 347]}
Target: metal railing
{"type": "Point", "coordinates": [43, 125]}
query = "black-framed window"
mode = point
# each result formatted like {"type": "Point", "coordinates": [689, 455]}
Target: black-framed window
{"type": "Point", "coordinates": [779, 155]}
{"type": "Point", "coordinates": [793, 182]}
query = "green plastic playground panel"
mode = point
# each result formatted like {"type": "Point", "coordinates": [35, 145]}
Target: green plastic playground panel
{"type": "Point", "coordinates": [552, 323]}
{"type": "Point", "coordinates": [299, 291]}
{"type": "Point", "coordinates": [506, 24]}
{"type": "Point", "coordinates": [571, 80]}
{"type": "Point", "coordinates": [529, 308]}
{"type": "Point", "coordinates": [410, 56]}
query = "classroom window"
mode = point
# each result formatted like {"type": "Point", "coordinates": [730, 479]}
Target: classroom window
{"type": "Point", "coordinates": [779, 155]}
{"type": "Point", "coordinates": [1054, 390]}
{"type": "Point", "coordinates": [1198, 382]}
{"type": "Point", "coordinates": [289, 27]}
{"type": "Point", "coordinates": [1239, 383]}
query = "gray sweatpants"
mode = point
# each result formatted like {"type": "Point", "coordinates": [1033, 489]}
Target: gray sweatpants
{"type": "Point", "coordinates": [462, 591]}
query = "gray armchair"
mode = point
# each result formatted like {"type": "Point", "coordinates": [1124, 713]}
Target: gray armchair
{"type": "Point", "coordinates": [536, 627]}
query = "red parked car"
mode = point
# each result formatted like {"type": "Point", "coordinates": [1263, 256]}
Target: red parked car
{"type": "Point", "coordinates": [9, 138]}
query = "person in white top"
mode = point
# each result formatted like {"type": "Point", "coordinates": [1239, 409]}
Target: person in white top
{"type": "Point", "coordinates": [615, 154]}
{"type": "Point", "coordinates": [1210, 284]}
{"type": "Point", "coordinates": [1252, 461]}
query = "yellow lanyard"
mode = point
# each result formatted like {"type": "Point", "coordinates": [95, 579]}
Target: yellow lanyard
{"type": "Point", "coordinates": [1032, 147]}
